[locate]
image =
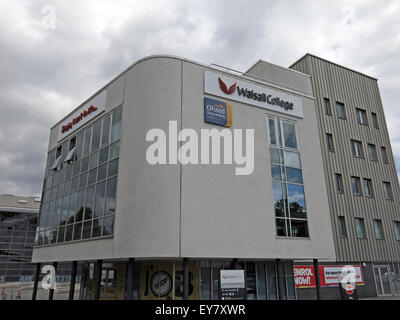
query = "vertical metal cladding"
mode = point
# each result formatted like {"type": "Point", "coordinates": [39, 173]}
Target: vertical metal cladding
{"type": "Point", "coordinates": [355, 90]}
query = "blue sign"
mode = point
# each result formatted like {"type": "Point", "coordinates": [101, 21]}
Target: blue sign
{"type": "Point", "coordinates": [217, 112]}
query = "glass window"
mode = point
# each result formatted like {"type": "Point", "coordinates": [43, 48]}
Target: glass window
{"type": "Point", "coordinates": [289, 133]}
{"type": "Point", "coordinates": [96, 135]}
{"type": "Point", "coordinates": [87, 228]}
{"type": "Point", "coordinates": [83, 180]}
{"type": "Point", "coordinates": [116, 124]}
{"type": "Point", "coordinates": [271, 280]}
{"type": "Point", "coordinates": [100, 197]}
{"type": "Point", "coordinates": [89, 207]}
{"type": "Point", "coordinates": [64, 210]}
{"type": "Point", "coordinates": [85, 164]}
{"type": "Point", "coordinates": [361, 116]}
{"type": "Point", "coordinates": [327, 104]}
{"type": "Point", "coordinates": [75, 184]}
{"type": "Point", "coordinates": [92, 176]}
{"type": "Point", "coordinates": [86, 143]}
{"type": "Point", "coordinates": [296, 201]}
{"type": "Point", "coordinates": [368, 190]}
{"type": "Point", "coordinates": [375, 120]}
{"type": "Point", "coordinates": [97, 226]}
{"type": "Point", "coordinates": [77, 231]}
{"type": "Point", "coordinates": [79, 144]}
{"type": "Point", "coordinates": [113, 168]}
{"type": "Point", "coordinates": [111, 196]}
{"type": "Point", "coordinates": [329, 142]}
{"type": "Point", "coordinates": [94, 160]}
{"type": "Point", "coordinates": [108, 226]}
{"type": "Point", "coordinates": [80, 205]}
{"type": "Point", "coordinates": [69, 232]}
{"type": "Point", "coordinates": [388, 191]}
{"type": "Point", "coordinates": [360, 228]}
{"type": "Point", "coordinates": [276, 155]}
{"type": "Point", "coordinates": [205, 283]}
{"type": "Point", "coordinates": [114, 150]}
{"type": "Point", "coordinates": [276, 172]}
{"type": "Point", "coordinates": [278, 199]}
{"type": "Point", "coordinates": [341, 113]}
{"type": "Point", "coordinates": [299, 228]}
{"type": "Point", "coordinates": [372, 154]}
{"type": "Point", "coordinates": [105, 137]}
{"type": "Point", "coordinates": [272, 134]}
{"type": "Point", "coordinates": [384, 155]}
{"type": "Point", "coordinates": [72, 206]}
{"type": "Point", "coordinates": [397, 230]}
{"type": "Point", "coordinates": [342, 227]}
{"type": "Point", "coordinates": [292, 159]}
{"type": "Point", "coordinates": [339, 183]}
{"type": "Point", "coordinates": [356, 147]}
{"type": "Point", "coordinates": [103, 157]}
{"type": "Point", "coordinates": [102, 172]}
{"type": "Point", "coordinates": [77, 167]}
{"type": "Point", "coordinates": [356, 185]}
{"type": "Point", "coordinates": [378, 229]}
{"type": "Point", "coordinates": [61, 234]}
{"type": "Point", "coordinates": [67, 187]}
{"type": "Point", "coordinates": [281, 228]}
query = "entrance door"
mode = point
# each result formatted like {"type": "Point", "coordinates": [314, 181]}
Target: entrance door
{"type": "Point", "coordinates": [383, 280]}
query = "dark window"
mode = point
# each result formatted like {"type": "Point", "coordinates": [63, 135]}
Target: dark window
{"type": "Point", "coordinates": [272, 134]}
{"type": "Point", "coordinates": [110, 196]}
{"type": "Point", "coordinates": [368, 189]}
{"type": "Point", "coordinates": [397, 230]}
{"type": "Point", "coordinates": [329, 142]}
{"type": "Point", "coordinates": [378, 227]}
{"type": "Point", "coordinates": [360, 228]}
{"type": "Point", "coordinates": [96, 136]}
{"type": "Point", "coordinates": [361, 116]}
{"type": "Point", "coordinates": [356, 186]}
{"type": "Point", "coordinates": [375, 120]}
{"type": "Point", "coordinates": [372, 154]}
{"type": "Point", "coordinates": [384, 155]}
{"type": "Point", "coordinates": [327, 104]}
{"type": "Point", "coordinates": [339, 183]}
{"type": "Point", "coordinates": [341, 113]}
{"type": "Point", "coordinates": [388, 191]}
{"type": "Point", "coordinates": [342, 227]}
{"type": "Point", "coordinates": [356, 148]}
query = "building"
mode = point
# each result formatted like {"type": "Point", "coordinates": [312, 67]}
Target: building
{"type": "Point", "coordinates": [149, 222]}
{"type": "Point", "coordinates": [18, 219]}
{"type": "Point", "coordinates": [360, 172]}
{"type": "Point", "coordinates": [176, 173]}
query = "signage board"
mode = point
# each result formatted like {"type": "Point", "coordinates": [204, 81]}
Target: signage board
{"type": "Point", "coordinates": [217, 112]}
{"type": "Point", "coordinates": [246, 92]}
{"type": "Point", "coordinates": [304, 276]}
{"type": "Point", "coordinates": [328, 275]}
{"type": "Point", "coordinates": [83, 115]}
{"type": "Point", "coordinates": [232, 285]}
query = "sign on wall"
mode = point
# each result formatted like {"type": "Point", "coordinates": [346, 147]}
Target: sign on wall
{"type": "Point", "coordinates": [304, 276]}
{"type": "Point", "coordinates": [83, 115]}
{"type": "Point", "coordinates": [249, 93]}
{"type": "Point", "coordinates": [217, 112]}
{"type": "Point", "coordinates": [329, 275]}
{"type": "Point", "coordinates": [232, 284]}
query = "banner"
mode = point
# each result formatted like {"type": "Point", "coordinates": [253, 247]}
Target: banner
{"type": "Point", "coordinates": [328, 275]}
{"type": "Point", "coordinates": [304, 277]}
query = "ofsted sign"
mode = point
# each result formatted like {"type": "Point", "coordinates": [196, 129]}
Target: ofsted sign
{"type": "Point", "coordinates": [249, 93]}
{"type": "Point", "coordinates": [83, 115]}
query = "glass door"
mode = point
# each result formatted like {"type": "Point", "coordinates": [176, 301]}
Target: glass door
{"type": "Point", "coordinates": [383, 280]}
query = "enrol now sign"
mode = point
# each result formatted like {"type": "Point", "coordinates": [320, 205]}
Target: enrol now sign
{"type": "Point", "coordinates": [257, 95]}
{"type": "Point", "coordinates": [83, 115]}
{"type": "Point", "coordinates": [304, 276]}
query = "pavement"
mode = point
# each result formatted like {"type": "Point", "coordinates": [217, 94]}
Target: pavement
{"type": "Point", "coordinates": [382, 298]}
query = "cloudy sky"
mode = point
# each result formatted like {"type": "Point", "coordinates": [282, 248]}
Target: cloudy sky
{"type": "Point", "coordinates": [46, 72]}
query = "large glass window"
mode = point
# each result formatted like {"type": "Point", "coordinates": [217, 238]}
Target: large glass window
{"type": "Point", "coordinates": [287, 184]}
{"type": "Point", "coordinates": [78, 200]}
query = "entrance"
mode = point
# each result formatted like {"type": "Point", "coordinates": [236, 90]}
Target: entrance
{"type": "Point", "coordinates": [383, 280]}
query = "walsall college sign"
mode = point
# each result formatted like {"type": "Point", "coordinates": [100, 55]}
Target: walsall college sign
{"type": "Point", "coordinates": [83, 115]}
{"type": "Point", "coordinates": [249, 93]}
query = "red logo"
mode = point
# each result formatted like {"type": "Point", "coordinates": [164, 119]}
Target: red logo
{"type": "Point", "coordinates": [75, 120]}
{"type": "Point", "coordinates": [225, 89]}
{"type": "Point", "coordinates": [349, 289]}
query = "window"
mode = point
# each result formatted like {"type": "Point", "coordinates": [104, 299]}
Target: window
{"type": "Point", "coordinates": [56, 164]}
{"type": "Point", "coordinates": [356, 185]}
{"type": "Point", "coordinates": [327, 105]}
{"type": "Point", "coordinates": [356, 148]}
{"type": "Point", "coordinates": [378, 229]}
{"type": "Point", "coordinates": [329, 142]}
{"type": "Point", "coordinates": [342, 227]}
{"type": "Point", "coordinates": [372, 154]}
{"type": "Point", "coordinates": [384, 155]}
{"type": "Point", "coordinates": [360, 228]}
{"type": "Point", "coordinates": [361, 116]}
{"type": "Point", "coordinates": [339, 183]}
{"type": "Point", "coordinates": [388, 191]}
{"type": "Point", "coordinates": [397, 230]}
{"type": "Point", "coordinates": [368, 190]}
{"type": "Point", "coordinates": [287, 184]}
{"type": "Point", "coordinates": [71, 153]}
{"type": "Point", "coordinates": [341, 113]}
{"type": "Point", "coordinates": [374, 120]}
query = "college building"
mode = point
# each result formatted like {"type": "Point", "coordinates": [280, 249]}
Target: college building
{"type": "Point", "coordinates": [179, 180]}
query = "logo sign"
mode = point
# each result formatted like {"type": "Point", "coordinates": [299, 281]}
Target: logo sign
{"type": "Point", "coordinates": [217, 112]}
{"type": "Point", "coordinates": [349, 289]}
{"type": "Point", "coordinates": [161, 283]}
{"type": "Point", "coordinates": [49, 280]}
{"type": "Point", "coordinates": [304, 276]}
{"type": "Point", "coordinates": [332, 275]}
{"type": "Point", "coordinates": [83, 115]}
{"type": "Point", "coordinates": [232, 285]}
{"type": "Point", "coordinates": [253, 94]}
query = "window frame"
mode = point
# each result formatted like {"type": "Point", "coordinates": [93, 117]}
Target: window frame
{"type": "Point", "coordinates": [385, 185]}
{"type": "Point", "coordinates": [378, 224]}
{"type": "Point", "coordinates": [361, 116]}
{"type": "Point", "coordinates": [358, 184]}
{"type": "Point", "coordinates": [342, 106]}
{"type": "Point", "coordinates": [327, 106]}
{"type": "Point", "coordinates": [339, 183]}
{"type": "Point", "coordinates": [329, 142]}
{"type": "Point", "coordinates": [362, 225]}
{"type": "Point", "coordinates": [375, 122]}
{"type": "Point", "coordinates": [355, 143]}
{"type": "Point", "coordinates": [342, 227]}
{"type": "Point", "coordinates": [371, 146]}
{"type": "Point", "coordinates": [370, 187]}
